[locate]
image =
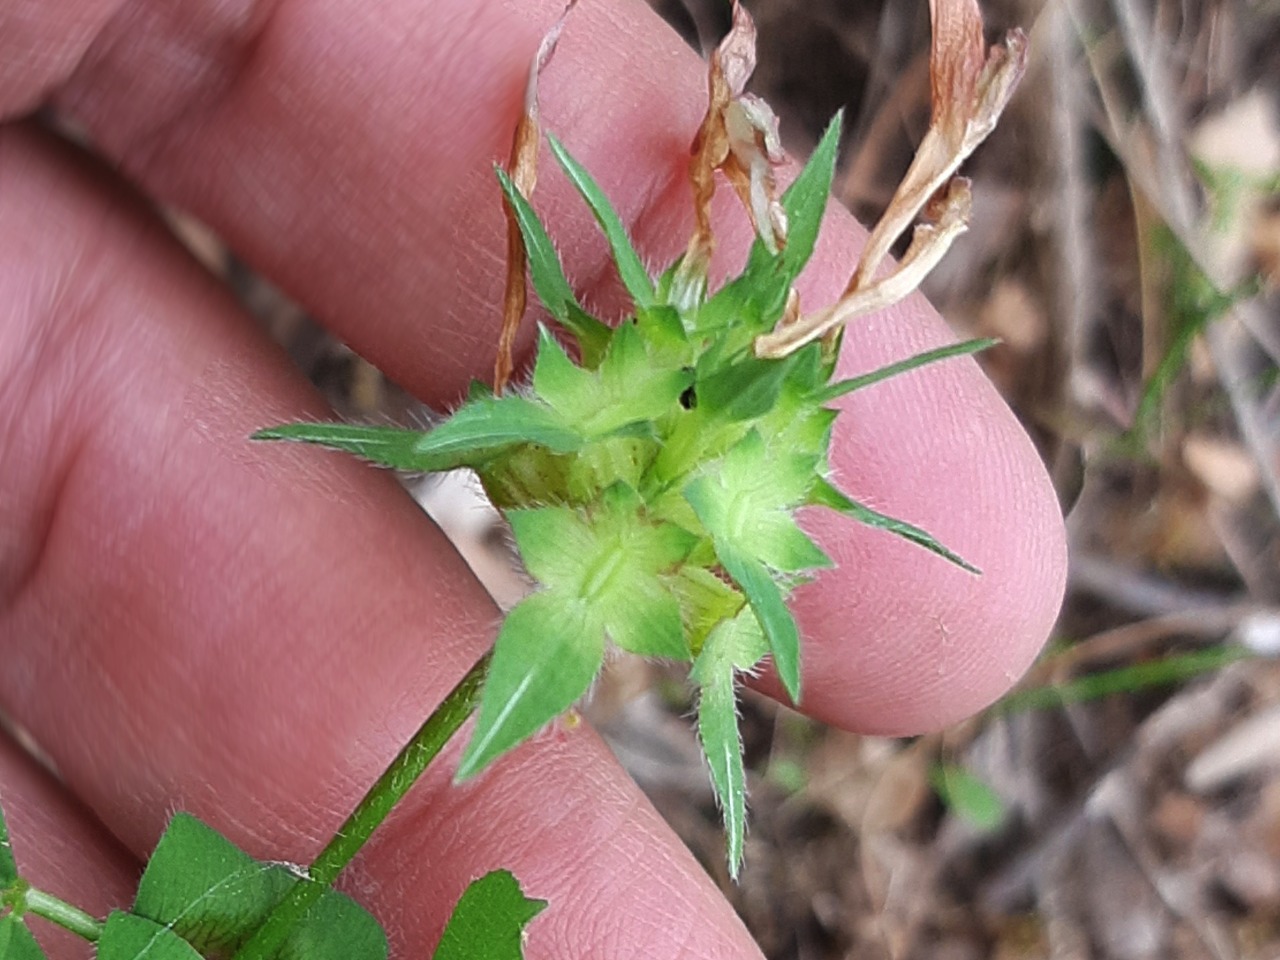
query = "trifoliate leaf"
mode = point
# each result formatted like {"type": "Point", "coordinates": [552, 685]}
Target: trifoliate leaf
{"type": "Point", "coordinates": [748, 502]}
{"type": "Point", "coordinates": [129, 937]}
{"type": "Point", "coordinates": [488, 922]}
{"type": "Point", "coordinates": [630, 268]}
{"type": "Point", "coordinates": [961, 349]}
{"type": "Point", "coordinates": [769, 605]}
{"type": "Point", "coordinates": [335, 928]}
{"type": "Point", "coordinates": [545, 657]}
{"type": "Point", "coordinates": [214, 895]}
{"type": "Point", "coordinates": [479, 429]}
{"type": "Point", "coordinates": [824, 494]}
{"type": "Point", "coordinates": [210, 889]}
{"type": "Point", "coordinates": [549, 280]}
{"type": "Point", "coordinates": [628, 387]}
{"type": "Point", "coordinates": [16, 941]}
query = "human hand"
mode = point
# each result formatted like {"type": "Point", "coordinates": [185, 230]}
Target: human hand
{"type": "Point", "coordinates": [250, 633]}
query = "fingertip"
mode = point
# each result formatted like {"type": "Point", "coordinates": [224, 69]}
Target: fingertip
{"type": "Point", "coordinates": [898, 640]}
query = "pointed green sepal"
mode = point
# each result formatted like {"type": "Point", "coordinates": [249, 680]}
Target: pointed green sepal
{"type": "Point", "coordinates": [735, 644]}
{"type": "Point", "coordinates": [770, 608]}
{"type": "Point", "coordinates": [805, 203]}
{"type": "Point", "coordinates": [549, 281]}
{"type": "Point", "coordinates": [749, 502]}
{"type": "Point", "coordinates": [479, 429]}
{"type": "Point", "coordinates": [630, 268]}
{"type": "Point", "coordinates": [627, 388]}
{"type": "Point", "coordinates": [826, 495]}
{"type": "Point", "coordinates": [546, 655]}
{"type": "Point", "coordinates": [964, 348]}
{"type": "Point", "coordinates": [612, 562]}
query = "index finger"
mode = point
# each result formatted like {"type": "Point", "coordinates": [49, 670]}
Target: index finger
{"type": "Point", "coordinates": [349, 158]}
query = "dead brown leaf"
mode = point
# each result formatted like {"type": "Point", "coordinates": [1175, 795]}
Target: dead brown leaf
{"type": "Point", "coordinates": [970, 89]}
{"type": "Point", "coordinates": [523, 168]}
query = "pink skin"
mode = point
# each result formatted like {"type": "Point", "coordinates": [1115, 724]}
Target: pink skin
{"type": "Point", "coordinates": [251, 632]}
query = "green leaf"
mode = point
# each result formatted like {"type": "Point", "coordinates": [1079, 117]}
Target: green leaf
{"type": "Point", "coordinates": [1161, 672]}
{"type": "Point", "coordinates": [16, 941]}
{"type": "Point", "coordinates": [745, 389]}
{"type": "Point", "coordinates": [748, 501]}
{"type": "Point", "coordinates": [548, 276]}
{"type": "Point", "coordinates": [825, 495]}
{"type": "Point", "coordinates": [545, 657]}
{"type": "Point", "coordinates": [479, 429]}
{"type": "Point", "coordinates": [663, 332]}
{"type": "Point", "coordinates": [8, 867]}
{"type": "Point", "coordinates": [963, 348]}
{"type": "Point", "coordinates": [205, 886]}
{"type": "Point", "coordinates": [592, 335]}
{"type": "Point", "coordinates": [744, 307]}
{"type": "Point", "coordinates": [610, 563]}
{"type": "Point", "coordinates": [488, 922]}
{"type": "Point", "coordinates": [754, 302]}
{"type": "Point", "coordinates": [705, 602]}
{"type": "Point", "coordinates": [335, 928]}
{"type": "Point", "coordinates": [968, 797]}
{"type": "Point", "coordinates": [129, 937]}
{"type": "Point", "coordinates": [805, 201]}
{"type": "Point", "coordinates": [630, 268]}
{"type": "Point", "coordinates": [214, 895]}
{"type": "Point", "coordinates": [770, 608]}
{"type": "Point", "coordinates": [736, 643]}
{"type": "Point", "coordinates": [628, 388]}
{"type": "Point", "coordinates": [722, 746]}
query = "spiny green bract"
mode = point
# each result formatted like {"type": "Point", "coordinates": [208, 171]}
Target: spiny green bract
{"type": "Point", "coordinates": [652, 486]}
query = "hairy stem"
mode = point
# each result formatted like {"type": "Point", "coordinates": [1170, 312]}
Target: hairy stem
{"type": "Point", "coordinates": [368, 815]}
{"type": "Point", "coordinates": [63, 914]}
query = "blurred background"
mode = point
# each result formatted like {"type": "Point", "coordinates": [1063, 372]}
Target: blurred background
{"type": "Point", "coordinates": [1124, 801]}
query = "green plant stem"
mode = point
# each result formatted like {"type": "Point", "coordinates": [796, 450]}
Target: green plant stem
{"type": "Point", "coordinates": [368, 815]}
{"type": "Point", "coordinates": [63, 914]}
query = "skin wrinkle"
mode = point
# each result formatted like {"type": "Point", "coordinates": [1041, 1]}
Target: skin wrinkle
{"type": "Point", "coordinates": [60, 355]}
{"type": "Point", "coordinates": [39, 52]}
{"type": "Point", "coordinates": [180, 60]}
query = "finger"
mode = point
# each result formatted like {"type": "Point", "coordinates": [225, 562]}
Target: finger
{"type": "Point", "coordinates": [250, 632]}
{"type": "Point", "coordinates": [351, 159]}
{"type": "Point", "coordinates": [61, 850]}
